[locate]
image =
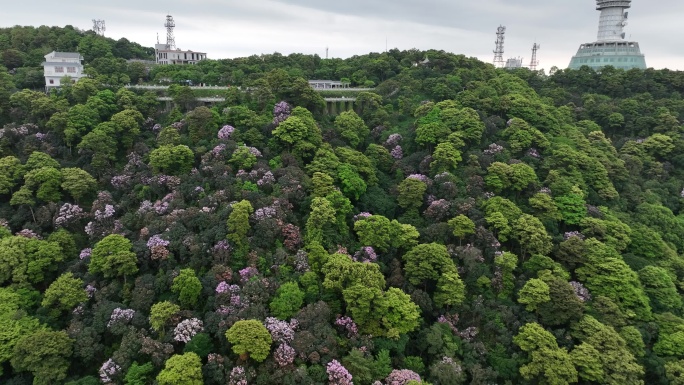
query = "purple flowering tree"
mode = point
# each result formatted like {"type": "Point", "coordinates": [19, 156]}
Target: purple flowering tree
{"type": "Point", "coordinates": [338, 374]}
{"type": "Point", "coordinates": [108, 371]}
{"type": "Point", "coordinates": [402, 377]}
{"type": "Point", "coordinates": [187, 329]}
{"type": "Point", "coordinates": [225, 132]}
{"type": "Point", "coordinates": [284, 355]}
{"type": "Point", "coordinates": [281, 111]}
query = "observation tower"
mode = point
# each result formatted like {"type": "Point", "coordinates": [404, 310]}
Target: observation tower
{"type": "Point", "coordinates": [610, 47]}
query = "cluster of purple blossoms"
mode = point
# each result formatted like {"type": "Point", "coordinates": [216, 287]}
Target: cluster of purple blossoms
{"type": "Point", "coordinates": [162, 180]}
{"type": "Point", "coordinates": [254, 151]}
{"type": "Point", "coordinates": [338, 374]}
{"type": "Point", "coordinates": [493, 149]}
{"type": "Point", "coordinates": [238, 376]}
{"type": "Point", "coordinates": [265, 212]}
{"type": "Point", "coordinates": [438, 210]}
{"type": "Point", "coordinates": [267, 179]}
{"type": "Point", "coordinates": [533, 153]}
{"type": "Point", "coordinates": [223, 287]}
{"type": "Point", "coordinates": [362, 215]}
{"type": "Point", "coordinates": [450, 361]}
{"type": "Point", "coordinates": [178, 125]}
{"type": "Point", "coordinates": [570, 234]}
{"type": "Point", "coordinates": [681, 194]}
{"type": "Point", "coordinates": [218, 150]}
{"type": "Point", "coordinates": [120, 181]}
{"type": "Point", "coordinates": [40, 136]}
{"type": "Point", "coordinates": [402, 377]}
{"type": "Point", "coordinates": [225, 132]}
{"type": "Point", "coordinates": [397, 152]}
{"type": "Point", "coordinates": [157, 127]}
{"type": "Point", "coordinates": [85, 253]}
{"type": "Point", "coordinates": [421, 178]}
{"type": "Point", "coordinates": [120, 315]}
{"type": "Point", "coordinates": [156, 240]}
{"type": "Point", "coordinates": [449, 319]}
{"type": "Point", "coordinates": [366, 254]}
{"type": "Point", "coordinates": [545, 190]}
{"type": "Point", "coordinates": [580, 291]}
{"type": "Point", "coordinates": [90, 291]}
{"type": "Point", "coordinates": [378, 130]}
{"type": "Point", "coordinates": [187, 329]}
{"type": "Point", "coordinates": [281, 331]}
{"type": "Point", "coordinates": [247, 273]}
{"type": "Point", "coordinates": [281, 111]}
{"type": "Point", "coordinates": [284, 355]}
{"type": "Point", "coordinates": [349, 325]}
{"type": "Point", "coordinates": [108, 370]}
{"type": "Point", "coordinates": [68, 213]}
{"type": "Point", "coordinates": [198, 190]}
{"type": "Point", "coordinates": [108, 212]}
{"type": "Point", "coordinates": [26, 233]}
{"type": "Point", "coordinates": [393, 140]}
{"type": "Point", "coordinates": [301, 262]}
{"type": "Point", "coordinates": [489, 195]}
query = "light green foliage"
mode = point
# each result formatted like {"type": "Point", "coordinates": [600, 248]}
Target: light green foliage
{"type": "Point", "coordinates": [238, 223]}
{"type": "Point", "coordinates": [321, 216]}
{"type": "Point", "coordinates": [660, 289]}
{"type": "Point", "coordinates": [188, 287]}
{"type": "Point", "coordinates": [25, 260]}
{"type": "Point", "coordinates": [659, 145]}
{"type": "Point", "coordinates": [411, 193]}
{"type": "Point", "coordinates": [544, 207]}
{"type": "Point", "coordinates": [446, 158]}
{"type": "Point", "coordinates": [450, 289]}
{"type": "Point", "coordinates": [45, 181]}
{"type": "Point", "coordinates": [174, 160]}
{"type": "Point", "coordinates": [127, 123]}
{"type": "Point", "coordinates": [250, 338]}
{"type": "Point", "coordinates": [389, 314]}
{"type": "Point", "coordinates": [183, 369]}
{"type": "Point", "coordinates": [10, 168]}
{"type": "Point", "coordinates": [522, 136]}
{"type": "Point", "coordinates": [45, 354]}
{"type": "Point", "coordinates": [587, 360]}
{"type": "Point", "coordinates": [353, 185]}
{"type": "Point", "coordinates": [14, 323]}
{"type": "Point", "coordinates": [112, 256]}
{"type": "Point", "coordinates": [517, 176]}
{"type": "Point", "coordinates": [547, 361]}
{"type": "Point", "coordinates": [342, 272]}
{"type": "Point", "coordinates": [160, 313]}
{"type": "Point", "coordinates": [507, 262]}
{"type": "Point", "coordinates": [65, 293]}
{"type": "Point", "coordinates": [572, 206]}
{"type": "Point", "coordinates": [608, 275]}
{"type": "Point", "coordinates": [139, 374]}
{"type": "Point", "coordinates": [674, 370]}
{"type": "Point", "coordinates": [288, 300]}
{"type": "Point", "coordinates": [77, 182]}
{"type": "Point", "coordinates": [351, 127]}
{"type": "Point", "coordinates": [374, 231]}
{"type": "Point", "coordinates": [361, 163]}
{"type": "Point", "coordinates": [462, 226]}
{"type": "Point", "coordinates": [202, 123]}
{"type": "Point", "coordinates": [243, 158]}
{"type": "Point", "coordinates": [101, 145]}
{"type": "Point", "coordinates": [168, 136]}
{"type": "Point", "coordinates": [634, 340]}
{"type": "Point", "coordinates": [427, 262]}
{"type": "Point", "coordinates": [380, 157]}
{"type": "Point", "coordinates": [534, 292]}
{"type": "Point", "coordinates": [531, 235]}
{"type": "Point", "coordinates": [299, 133]}
{"type": "Point", "coordinates": [618, 364]}
{"type": "Point", "coordinates": [323, 184]}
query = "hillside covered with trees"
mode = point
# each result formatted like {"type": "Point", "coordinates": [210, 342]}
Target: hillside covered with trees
{"type": "Point", "coordinates": [462, 225]}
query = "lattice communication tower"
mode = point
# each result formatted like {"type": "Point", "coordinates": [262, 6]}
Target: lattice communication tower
{"type": "Point", "coordinates": [170, 25]}
{"type": "Point", "coordinates": [499, 51]}
{"type": "Point", "coordinates": [534, 62]}
{"type": "Point", "coordinates": [99, 27]}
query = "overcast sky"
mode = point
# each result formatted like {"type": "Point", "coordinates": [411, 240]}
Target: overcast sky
{"type": "Point", "coordinates": [232, 28]}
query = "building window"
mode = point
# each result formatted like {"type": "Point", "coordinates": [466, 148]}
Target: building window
{"type": "Point", "coordinates": [52, 81]}
{"type": "Point", "coordinates": [71, 70]}
{"type": "Point", "coordinates": [59, 69]}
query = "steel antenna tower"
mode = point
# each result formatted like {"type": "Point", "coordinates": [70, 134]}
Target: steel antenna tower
{"type": "Point", "coordinates": [99, 27]}
{"type": "Point", "coordinates": [499, 51]}
{"type": "Point", "coordinates": [534, 62]}
{"type": "Point", "coordinates": [170, 25]}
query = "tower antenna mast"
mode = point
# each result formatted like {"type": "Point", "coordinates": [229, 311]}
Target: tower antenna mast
{"type": "Point", "coordinates": [534, 62]}
{"type": "Point", "coordinates": [99, 27]}
{"type": "Point", "coordinates": [499, 51]}
{"type": "Point", "coordinates": [170, 25]}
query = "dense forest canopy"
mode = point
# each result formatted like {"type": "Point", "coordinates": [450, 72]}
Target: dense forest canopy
{"type": "Point", "coordinates": [460, 225]}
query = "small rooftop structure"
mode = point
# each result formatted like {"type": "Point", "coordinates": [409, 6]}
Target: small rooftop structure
{"type": "Point", "coordinates": [514, 62]}
{"type": "Point", "coordinates": [165, 55]}
{"type": "Point", "coordinates": [57, 65]}
{"type": "Point", "coordinates": [328, 84]}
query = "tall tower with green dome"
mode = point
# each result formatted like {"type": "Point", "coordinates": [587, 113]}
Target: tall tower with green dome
{"type": "Point", "coordinates": [610, 47]}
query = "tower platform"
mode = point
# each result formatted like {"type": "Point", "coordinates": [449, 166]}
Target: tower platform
{"type": "Point", "coordinates": [619, 54]}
